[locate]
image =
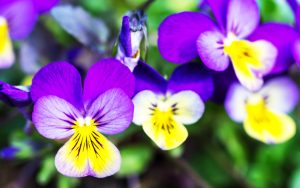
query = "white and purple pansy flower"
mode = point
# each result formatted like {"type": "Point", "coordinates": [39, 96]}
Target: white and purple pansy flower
{"type": "Point", "coordinates": [64, 110]}
{"type": "Point", "coordinates": [133, 31]}
{"type": "Point", "coordinates": [17, 19]}
{"type": "Point", "coordinates": [235, 37]}
{"type": "Point", "coordinates": [264, 113]}
{"type": "Point", "coordinates": [163, 107]}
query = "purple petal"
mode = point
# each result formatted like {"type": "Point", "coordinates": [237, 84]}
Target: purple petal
{"type": "Point", "coordinates": [125, 36]}
{"type": "Point", "coordinates": [9, 153]}
{"type": "Point", "coordinates": [11, 95]}
{"type": "Point", "coordinates": [282, 37]}
{"type": "Point", "coordinates": [293, 4]}
{"type": "Point", "coordinates": [112, 111]}
{"type": "Point", "coordinates": [242, 17]}
{"type": "Point", "coordinates": [219, 11]}
{"type": "Point", "coordinates": [45, 5]}
{"type": "Point", "coordinates": [147, 78]}
{"type": "Point", "coordinates": [105, 75]}
{"type": "Point", "coordinates": [193, 77]}
{"type": "Point", "coordinates": [60, 79]}
{"type": "Point", "coordinates": [21, 17]}
{"type": "Point", "coordinates": [178, 33]}
{"type": "Point", "coordinates": [296, 51]}
{"type": "Point", "coordinates": [297, 17]}
{"type": "Point", "coordinates": [54, 117]}
{"type": "Point", "coordinates": [211, 51]}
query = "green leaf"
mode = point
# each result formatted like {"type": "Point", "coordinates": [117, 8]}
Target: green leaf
{"type": "Point", "coordinates": [67, 182]}
{"type": "Point", "coordinates": [47, 171]}
{"type": "Point", "coordinates": [135, 159]}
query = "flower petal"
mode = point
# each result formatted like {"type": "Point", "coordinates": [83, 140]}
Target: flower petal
{"type": "Point", "coordinates": [283, 44]}
{"type": "Point", "coordinates": [21, 17]}
{"type": "Point", "coordinates": [281, 93]}
{"type": "Point", "coordinates": [105, 75]}
{"type": "Point", "coordinates": [112, 111]}
{"type": "Point", "coordinates": [147, 78]}
{"type": "Point", "coordinates": [211, 51]}
{"type": "Point", "coordinates": [219, 10]}
{"type": "Point", "coordinates": [125, 37]}
{"type": "Point", "coordinates": [242, 17]}
{"type": "Point", "coordinates": [166, 138]}
{"type": "Point", "coordinates": [272, 128]}
{"type": "Point", "coordinates": [194, 77]}
{"type": "Point", "coordinates": [296, 51]}
{"type": "Point", "coordinates": [235, 102]}
{"type": "Point", "coordinates": [7, 56]}
{"type": "Point", "coordinates": [88, 154]}
{"type": "Point", "coordinates": [14, 96]}
{"type": "Point", "coordinates": [54, 117]}
{"type": "Point", "coordinates": [60, 79]}
{"type": "Point", "coordinates": [178, 33]}
{"type": "Point", "coordinates": [44, 6]}
{"type": "Point", "coordinates": [189, 106]}
{"type": "Point", "coordinates": [143, 102]}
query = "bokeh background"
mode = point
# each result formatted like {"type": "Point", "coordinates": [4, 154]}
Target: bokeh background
{"type": "Point", "coordinates": [217, 152]}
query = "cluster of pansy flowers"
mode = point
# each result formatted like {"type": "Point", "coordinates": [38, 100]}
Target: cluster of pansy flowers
{"type": "Point", "coordinates": [124, 89]}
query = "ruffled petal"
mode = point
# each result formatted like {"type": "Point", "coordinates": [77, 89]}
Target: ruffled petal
{"type": "Point", "coordinates": [107, 74]}
{"type": "Point", "coordinates": [188, 107]}
{"type": "Point", "coordinates": [283, 44]}
{"type": "Point", "coordinates": [194, 77]}
{"type": "Point", "coordinates": [167, 136]}
{"type": "Point", "coordinates": [211, 51]}
{"type": "Point", "coordinates": [281, 93]}
{"type": "Point", "coordinates": [21, 17]}
{"type": "Point", "coordinates": [112, 111]}
{"type": "Point", "coordinates": [60, 79]}
{"type": "Point", "coordinates": [178, 33]}
{"type": "Point", "coordinates": [147, 78]}
{"type": "Point", "coordinates": [242, 17]}
{"type": "Point", "coordinates": [54, 117]}
{"type": "Point", "coordinates": [235, 102]}
{"type": "Point", "coordinates": [44, 6]}
{"type": "Point", "coordinates": [88, 153]}
{"type": "Point", "coordinates": [143, 103]}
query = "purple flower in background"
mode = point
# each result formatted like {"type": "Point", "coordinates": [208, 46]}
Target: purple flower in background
{"type": "Point", "coordinates": [16, 96]}
{"type": "Point", "coordinates": [132, 33]}
{"type": "Point", "coordinates": [9, 152]}
{"type": "Point", "coordinates": [17, 19]}
{"type": "Point", "coordinates": [253, 50]}
{"type": "Point", "coordinates": [63, 110]}
{"type": "Point", "coordinates": [264, 113]}
{"type": "Point", "coordinates": [164, 107]}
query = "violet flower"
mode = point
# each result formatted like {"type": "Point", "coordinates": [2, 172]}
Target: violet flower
{"type": "Point", "coordinates": [63, 110]}
{"type": "Point", "coordinates": [264, 113]}
{"type": "Point", "coordinates": [235, 37]}
{"type": "Point", "coordinates": [164, 107]}
{"type": "Point", "coordinates": [132, 33]}
{"type": "Point", "coordinates": [17, 19]}
{"type": "Point", "coordinates": [15, 96]}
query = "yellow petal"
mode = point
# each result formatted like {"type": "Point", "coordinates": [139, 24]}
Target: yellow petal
{"type": "Point", "coordinates": [266, 125]}
{"type": "Point", "coordinates": [6, 50]}
{"type": "Point", "coordinates": [88, 153]}
{"type": "Point", "coordinates": [166, 133]}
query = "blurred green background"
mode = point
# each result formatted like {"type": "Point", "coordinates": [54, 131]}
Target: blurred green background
{"type": "Point", "coordinates": [217, 152]}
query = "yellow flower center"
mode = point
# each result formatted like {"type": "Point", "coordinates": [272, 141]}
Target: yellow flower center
{"type": "Point", "coordinates": [163, 119]}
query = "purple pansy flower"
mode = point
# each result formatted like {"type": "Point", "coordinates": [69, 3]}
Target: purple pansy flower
{"type": "Point", "coordinates": [264, 113]}
{"type": "Point", "coordinates": [63, 110]}
{"type": "Point", "coordinates": [17, 19]}
{"type": "Point", "coordinates": [132, 33]}
{"type": "Point", "coordinates": [235, 37]}
{"type": "Point", "coordinates": [164, 107]}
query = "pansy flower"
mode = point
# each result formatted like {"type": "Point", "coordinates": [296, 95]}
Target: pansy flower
{"type": "Point", "coordinates": [63, 110]}
{"type": "Point", "coordinates": [133, 31]}
{"type": "Point", "coordinates": [17, 19]}
{"type": "Point", "coordinates": [235, 37]}
{"type": "Point", "coordinates": [16, 96]}
{"type": "Point", "coordinates": [163, 107]}
{"type": "Point", "coordinates": [264, 113]}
